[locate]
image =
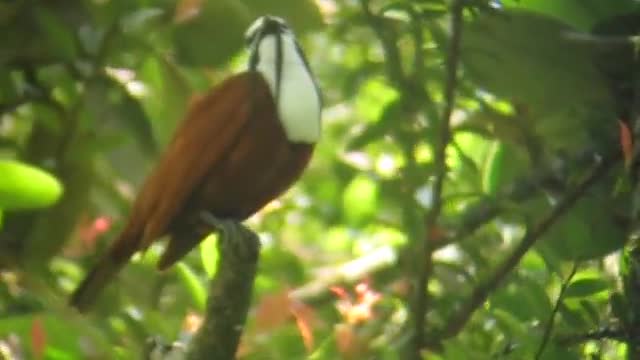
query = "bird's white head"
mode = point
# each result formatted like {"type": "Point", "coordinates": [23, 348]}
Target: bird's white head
{"type": "Point", "coordinates": [276, 55]}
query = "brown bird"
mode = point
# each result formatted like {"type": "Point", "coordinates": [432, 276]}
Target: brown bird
{"type": "Point", "coordinates": [239, 147]}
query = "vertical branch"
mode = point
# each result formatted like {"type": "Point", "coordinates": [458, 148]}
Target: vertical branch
{"type": "Point", "coordinates": [426, 264]}
{"type": "Point", "coordinates": [411, 87]}
{"type": "Point", "coordinates": [229, 292]}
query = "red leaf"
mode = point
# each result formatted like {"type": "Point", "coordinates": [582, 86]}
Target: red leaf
{"type": "Point", "coordinates": [91, 230]}
{"type": "Point", "coordinates": [38, 338]}
{"type": "Point", "coordinates": [340, 292]}
{"type": "Point", "coordinates": [626, 141]}
{"type": "Point", "coordinates": [186, 10]}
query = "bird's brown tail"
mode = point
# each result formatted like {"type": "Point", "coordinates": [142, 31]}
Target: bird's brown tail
{"type": "Point", "coordinates": [104, 271]}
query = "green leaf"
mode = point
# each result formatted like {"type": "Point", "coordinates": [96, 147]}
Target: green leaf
{"type": "Point", "coordinates": [532, 60]}
{"type": "Point", "coordinates": [302, 15]}
{"type": "Point", "coordinates": [590, 230]}
{"type": "Point", "coordinates": [280, 267]}
{"type": "Point", "coordinates": [525, 300]}
{"type": "Point", "coordinates": [23, 186]}
{"type": "Point", "coordinates": [572, 317]}
{"type": "Point", "coordinates": [61, 334]}
{"type": "Point", "coordinates": [216, 33]}
{"type": "Point", "coordinates": [213, 36]}
{"type": "Point", "coordinates": [378, 101]}
{"type": "Point", "coordinates": [168, 95]}
{"type": "Point", "coordinates": [582, 14]}
{"type": "Point", "coordinates": [557, 352]}
{"type": "Point", "coordinates": [119, 114]}
{"type": "Point", "coordinates": [509, 323]}
{"type": "Point", "coordinates": [209, 254]}
{"type": "Point", "coordinates": [141, 20]}
{"type": "Point", "coordinates": [528, 57]}
{"type": "Point", "coordinates": [57, 36]}
{"type": "Point", "coordinates": [360, 199]}
{"type": "Point", "coordinates": [586, 287]}
{"type": "Point", "coordinates": [193, 285]}
{"type": "Point", "coordinates": [381, 125]}
{"type": "Point", "coordinates": [505, 163]}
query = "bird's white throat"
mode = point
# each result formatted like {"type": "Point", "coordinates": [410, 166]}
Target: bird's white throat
{"type": "Point", "coordinates": [298, 100]}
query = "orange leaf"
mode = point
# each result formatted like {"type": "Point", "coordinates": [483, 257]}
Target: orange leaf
{"type": "Point", "coordinates": [305, 316]}
{"type": "Point", "coordinates": [347, 341]}
{"type": "Point", "coordinates": [192, 322]}
{"type": "Point", "coordinates": [273, 311]}
{"type": "Point", "coordinates": [187, 9]}
{"type": "Point", "coordinates": [38, 338]}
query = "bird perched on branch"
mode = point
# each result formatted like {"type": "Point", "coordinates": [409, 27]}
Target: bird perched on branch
{"type": "Point", "coordinates": [240, 146]}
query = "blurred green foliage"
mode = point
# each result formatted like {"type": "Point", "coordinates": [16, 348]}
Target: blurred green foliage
{"type": "Point", "coordinates": [26, 187]}
{"type": "Point", "coordinates": [90, 91]}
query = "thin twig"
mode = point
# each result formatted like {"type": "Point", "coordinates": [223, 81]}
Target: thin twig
{"type": "Point", "coordinates": [426, 266]}
{"type": "Point", "coordinates": [606, 333]}
{"type": "Point", "coordinates": [482, 291]}
{"type": "Point", "coordinates": [549, 326]}
{"type": "Point", "coordinates": [388, 40]}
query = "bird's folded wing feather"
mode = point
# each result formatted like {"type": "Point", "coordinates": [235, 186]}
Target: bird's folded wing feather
{"type": "Point", "coordinates": [211, 126]}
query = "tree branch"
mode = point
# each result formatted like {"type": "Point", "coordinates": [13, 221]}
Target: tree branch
{"type": "Point", "coordinates": [611, 333]}
{"type": "Point", "coordinates": [229, 293]}
{"type": "Point", "coordinates": [488, 207]}
{"type": "Point", "coordinates": [349, 272]}
{"type": "Point", "coordinates": [482, 291]}
{"type": "Point", "coordinates": [425, 267]}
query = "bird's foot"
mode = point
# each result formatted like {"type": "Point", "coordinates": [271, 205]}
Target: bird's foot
{"type": "Point", "coordinates": [234, 237]}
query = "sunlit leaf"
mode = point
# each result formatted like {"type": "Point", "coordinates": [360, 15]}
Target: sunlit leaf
{"type": "Point", "coordinates": [23, 186]}
{"type": "Point", "coordinates": [193, 285]}
{"type": "Point", "coordinates": [588, 231]}
{"type": "Point", "coordinates": [505, 163]}
{"type": "Point", "coordinates": [209, 254]}
{"type": "Point", "coordinates": [586, 287]}
{"type": "Point", "coordinates": [360, 199]}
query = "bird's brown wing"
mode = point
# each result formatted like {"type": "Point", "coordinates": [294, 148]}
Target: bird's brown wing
{"type": "Point", "coordinates": [210, 128]}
